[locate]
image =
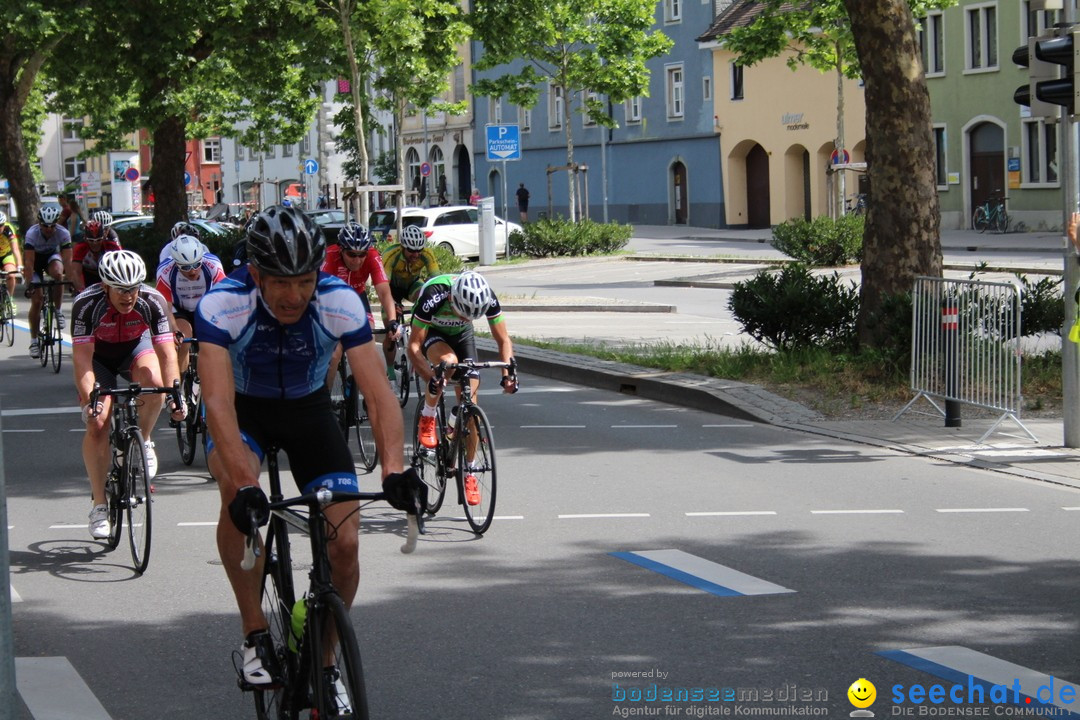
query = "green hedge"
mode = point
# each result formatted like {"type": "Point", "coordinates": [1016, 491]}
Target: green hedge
{"type": "Point", "coordinates": [562, 238]}
{"type": "Point", "coordinates": [821, 242]}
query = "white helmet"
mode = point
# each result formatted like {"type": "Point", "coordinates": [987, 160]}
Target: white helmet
{"type": "Point", "coordinates": [412, 238]}
{"type": "Point", "coordinates": [184, 228]}
{"type": "Point", "coordinates": [121, 269]}
{"type": "Point", "coordinates": [186, 250]}
{"type": "Point", "coordinates": [48, 214]}
{"type": "Point", "coordinates": [470, 295]}
{"type": "Point", "coordinates": [103, 217]}
{"type": "Point", "coordinates": [3, 217]}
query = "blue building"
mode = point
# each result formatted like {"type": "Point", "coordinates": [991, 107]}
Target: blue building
{"type": "Point", "coordinates": [662, 164]}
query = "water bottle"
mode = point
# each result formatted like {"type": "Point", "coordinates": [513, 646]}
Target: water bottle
{"type": "Point", "coordinates": [299, 616]}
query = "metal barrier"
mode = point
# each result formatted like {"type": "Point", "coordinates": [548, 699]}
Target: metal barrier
{"type": "Point", "coordinates": [965, 346]}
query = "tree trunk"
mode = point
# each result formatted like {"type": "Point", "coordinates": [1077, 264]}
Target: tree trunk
{"type": "Point", "coordinates": [571, 173]}
{"type": "Point", "coordinates": [902, 237]}
{"type": "Point", "coordinates": [345, 13]}
{"type": "Point", "coordinates": [13, 157]}
{"type": "Point", "coordinates": [167, 174]}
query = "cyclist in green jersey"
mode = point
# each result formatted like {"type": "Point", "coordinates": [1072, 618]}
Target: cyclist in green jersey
{"type": "Point", "coordinates": [10, 256]}
{"type": "Point", "coordinates": [442, 325]}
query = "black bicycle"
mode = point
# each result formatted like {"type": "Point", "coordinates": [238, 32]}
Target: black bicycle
{"type": "Point", "coordinates": [49, 338]}
{"type": "Point", "coordinates": [127, 487]}
{"type": "Point", "coordinates": [189, 429]}
{"type": "Point", "coordinates": [467, 434]}
{"type": "Point", "coordinates": [7, 312]}
{"type": "Point", "coordinates": [403, 369]}
{"type": "Point", "coordinates": [316, 626]}
{"type": "Point", "coordinates": [351, 410]}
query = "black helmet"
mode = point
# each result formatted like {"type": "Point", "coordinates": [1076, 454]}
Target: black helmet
{"type": "Point", "coordinates": [284, 241]}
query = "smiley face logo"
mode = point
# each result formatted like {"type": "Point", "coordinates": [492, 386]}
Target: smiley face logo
{"type": "Point", "coordinates": [862, 693]}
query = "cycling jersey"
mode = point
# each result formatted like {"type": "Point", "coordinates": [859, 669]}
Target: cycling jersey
{"type": "Point", "coordinates": [433, 310]}
{"type": "Point", "coordinates": [95, 320]}
{"type": "Point", "coordinates": [35, 240]}
{"type": "Point", "coordinates": [185, 294]}
{"type": "Point", "coordinates": [272, 360]}
{"type": "Point", "coordinates": [372, 267]}
{"type": "Point", "coordinates": [165, 255]}
{"type": "Point", "coordinates": [8, 239]}
{"type": "Point", "coordinates": [403, 269]}
{"type": "Point", "coordinates": [83, 253]}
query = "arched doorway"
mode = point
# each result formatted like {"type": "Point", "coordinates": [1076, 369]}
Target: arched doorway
{"type": "Point", "coordinates": [678, 190]}
{"type": "Point", "coordinates": [463, 164]}
{"type": "Point", "coordinates": [758, 210]}
{"type": "Point", "coordinates": [986, 153]}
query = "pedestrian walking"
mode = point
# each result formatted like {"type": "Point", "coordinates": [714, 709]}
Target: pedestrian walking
{"type": "Point", "coordinates": [523, 202]}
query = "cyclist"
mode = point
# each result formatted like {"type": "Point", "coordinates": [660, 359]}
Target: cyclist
{"type": "Point", "coordinates": [10, 257]}
{"type": "Point", "coordinates": [266, 334]}
{"type": "Point", "coordinates": [442, 325]}
{"type": "Point", "coordinates": [183, 280]}
{"type": "Point", "coordinates": [407, 265]}
{"type": "Point", "coordinates": [182, 228]}
{"type": "Point", "coordinates": [46, 251]}
{"type": "Point", "coordinates": [119, 328]}
{"type": "Point", "coordinates": [86, 255]}
{"type": "Point", "coordinates": [355, 260]}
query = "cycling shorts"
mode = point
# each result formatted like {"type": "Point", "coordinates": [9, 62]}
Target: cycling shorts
{"type": "Point", "coordinates": [8, 259]}
{"type": "Point", "coordinates": [41, 264]}
{"type": "Point", "coordinates": [306, 430]}
{"type": "Point", "coordinates": [108, 370]}
{"type": "Point", "coordinates": [463, 343]}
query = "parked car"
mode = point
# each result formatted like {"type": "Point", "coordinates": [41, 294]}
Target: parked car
{"type": "Point", "coordinates": [125, 225]}
{"type": "Point", "coordinates": [455, 228]}
{"type": "Point", "coordinates": [327, 217]}
{"type": "Point", "coordinates": [383, 222]}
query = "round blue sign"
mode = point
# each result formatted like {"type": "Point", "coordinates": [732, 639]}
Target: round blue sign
{"type": "Point", "coordinates": [187, 179]}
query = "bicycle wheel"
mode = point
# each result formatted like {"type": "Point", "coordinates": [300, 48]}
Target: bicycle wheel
{"type": "Point", "coordinates": [113, 496]}
{"type": "Point", "coordinates": [980, 220]}
{"type": "Point", "coordinates": [137, 499]}
{"type": "Point", "coordinates": [56, 346]}
{"type": "Point", "coordinates": [7, 316]}
{"type": "Point", "coordinates": [365, 434]}
{"type": "Point", "coordinates": [338, 400]}
{"type": "Point", "coordinates": [482, 468]}
{"type": "Point", "coordinates": [44, 338]}
{"type": "Point", "coordinates": [340, 693]}
{"type": "Point", "coordinates": [403, 375]}
{"type": "Point", "coordinates": [428, 466]}
{"type": "Point", "coordinates": [1001, 221]}
{"type": "Point", "coordinates": [187, 431]}
{"type": "Point", "coordinates": [278, 596]}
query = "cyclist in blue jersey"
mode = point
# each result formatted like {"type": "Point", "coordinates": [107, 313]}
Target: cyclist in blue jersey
{"type": "Point", "coordinates": [266, 334]}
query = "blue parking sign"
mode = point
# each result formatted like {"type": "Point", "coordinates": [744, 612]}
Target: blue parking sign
{"type": "Point", "coordinates": [503, 142]}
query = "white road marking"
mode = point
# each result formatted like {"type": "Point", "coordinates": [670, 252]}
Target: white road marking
{"type": "Point", "coordinates": [730, 513]}
{"type": "Point", "coordinates": [589, 516]}
{"type": "Point", "coordinates": [53, 690]}
{"type": "Point", "coordinates": [980, 510]}
{"type": "Point", "coordinates": [32, 430]}
{"type": "Point", "coordinates": [856, 512]}
{"type": "Point", "coordinates": [41, 411]}
{"type": "Point", "coordinates": [15, 595]}
{"type": "Point", "coordinates": [66, 527]}
{"type": "Point", "coordinates": [197, 524]}
{"type": "Point", "coordinates": [701, 573]}
{"type": "Point", "coordinates": [1070, 508]}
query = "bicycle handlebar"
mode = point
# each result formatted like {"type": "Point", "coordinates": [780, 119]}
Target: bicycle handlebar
{"type": "Point", "coordinates": [133, 390]}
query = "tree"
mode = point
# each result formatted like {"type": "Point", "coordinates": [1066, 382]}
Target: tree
{"type": "Point", "coordinates": [582, 48]}
{"type": "Point", "coordinates": [190, 69]}
{"type": "Point", "coordinates": [32, 33]}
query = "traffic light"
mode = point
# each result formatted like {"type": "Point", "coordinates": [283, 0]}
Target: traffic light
{"type": "Point", "coordinates": [1044, 56]}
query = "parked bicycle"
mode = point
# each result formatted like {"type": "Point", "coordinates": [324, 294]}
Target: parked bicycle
{"type": "Point", "coordinates": [7, 311]}
{"type": "Point", "coordinates": [194, 424]}
{"type": "Point", "coordinates": [467, 435]}
{"type": "Point", "coordinates": [855, 204]}
{"type": "Point", "coordinates": [127, 487]}
{"type": "Point", "coordinates": [313, 632]}
{"type": "Point", "coordinates": [49, 332]}
{"type": "Point", "coordinates": [351, 411]}
{"type": "Point", "coordinates": [992, 213]}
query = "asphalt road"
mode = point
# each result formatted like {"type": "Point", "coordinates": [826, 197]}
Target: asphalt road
{"type": "Point", "coordinates": [860, 550]}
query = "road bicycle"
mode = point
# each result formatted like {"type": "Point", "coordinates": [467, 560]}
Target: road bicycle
{"type": "Point", "coordinates": [127, 486]}
{"type": "Point", "coordinates": [856, 204]}
{"type": "Point", "coordinates": [351, 411]}
{"type": "Point", "coordinates": [7, 311]}
{"type": "Point", "coordinates": [194, 424]}
{"type": "Point", "coordinates": [468, 432]}
{"type": "Point", "coordinates": [991, 214]}
{"type": "Point", "coordinates": [49, 337]}
{"type": "Point", "coordinates": [309, 629]}
{"type": "Point", "coordinates": [403, 369]}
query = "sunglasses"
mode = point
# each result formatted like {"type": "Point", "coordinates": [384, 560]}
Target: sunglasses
{"type": "Point", "coordinates": [127, 290]}
{"type": "Point", "coordinates": [191, 267]}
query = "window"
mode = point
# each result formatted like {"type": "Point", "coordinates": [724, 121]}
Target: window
{"type": "Point", "coordinates": [633, 110]}
{"type": "Point", "coordinates": [706, 89]}
{"type": "Point", "coordinates": [305, 145]}
{"type": "Point", "coordinates": [495, 110]}
{"type": "Point", "coordinates": [286, 151]}
{"type": "Point", "coordinates": [438, 167]}
{"type": "Point", "coordinates": [269, 152]}
{"type": "Point", "coordinates": [1040, 152]}
{"type": "Point", "coordinates": [525, 119]}
{"type": "Point", "coordinates": [736, 82]}
{"type": "Point", "coordinates": [672, 11]}
{"type": "Point", "coordinates": [412, 160]}
{"type": "Point", "coordinates": [981, 38]}
{"type": "Point", "coordinates": [940, 158]}
{"type": "Point", "coordinates": [239, 151]}
{"type": "Point", "coordinates": [459, 82]}
{"type": "Point", "coordinates": [253, 154]}
{"type": "Point", "coordinates": [932, 43]}
{"type": "Point", "coordinates": [1037, 22]}
{"type": "Point", "coordinates": [211, 150]}
{"type": "Point", "coordinates": [71, 129]}
{"type": "Point", "coordinates": [587, 121]}
{"type": "Point", "coordinates": [675, 97]}
{"type": "Point", "coordinates": [555, 107]}
{"type": "Point", "coordinates": [73, 167]}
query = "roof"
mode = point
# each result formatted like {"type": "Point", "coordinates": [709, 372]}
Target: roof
{"type": "Point", "coordinates": [739, 14]}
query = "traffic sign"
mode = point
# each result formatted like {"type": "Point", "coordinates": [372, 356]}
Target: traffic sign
{"type": "Point", "coordinates": [503, 142]}
{"type": "Point", "coordinates": [311, 166]}
{"type": "Point", "coordinates": [132, 174]}
{"type": "Point", "coordinates": [187, 179]}
{"type": "Point", "coordinates": [425, 169]}
{"type": "Point", "coordinates": [840, 157]}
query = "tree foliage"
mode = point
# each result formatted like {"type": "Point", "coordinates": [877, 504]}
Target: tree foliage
{"type": "Point", "coordinates": [577, 46]}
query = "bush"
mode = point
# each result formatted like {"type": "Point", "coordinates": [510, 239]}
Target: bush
{"type": "Point", "coordinates": [822, 242]}
{"type": "Point", "coordinates": [890, 332]}
{"type": "Point", "coordinates": [1042, 306]}
{"type": "Point", "coordinates": [793, 309]}
{"type": "Point", "coordinates": [560, 238]}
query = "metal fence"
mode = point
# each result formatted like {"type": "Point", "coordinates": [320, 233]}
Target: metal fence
{"type": "Point", "coordinates": [965, 346]}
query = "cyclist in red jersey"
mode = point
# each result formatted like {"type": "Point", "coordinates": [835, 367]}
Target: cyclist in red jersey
{"type": "Point", "coordinates": [85, 256]}
{"type": "Point", "coordinates": [356, 260]}
{"type": "Point", "coordinates": [119, 328]}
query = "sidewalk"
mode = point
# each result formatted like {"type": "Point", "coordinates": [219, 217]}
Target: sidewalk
{"type": "Point", "coordinates": [1009, 450]}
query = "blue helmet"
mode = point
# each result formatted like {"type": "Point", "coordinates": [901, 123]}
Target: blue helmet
{"type": "Point", "coordinates": [355, 237]}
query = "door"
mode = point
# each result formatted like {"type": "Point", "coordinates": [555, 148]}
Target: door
{"type": "Point", "coordinates": [758, 211]}
{"type": "Point", "coordinates": [464, 176]}
{"type": "Point", "coordinates": [987, 152]}
{"type": "Point", "coordinates": [678, 184]}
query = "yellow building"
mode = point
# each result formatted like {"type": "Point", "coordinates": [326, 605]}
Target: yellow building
{"type": "Point", "coordinates": [777, 132]}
